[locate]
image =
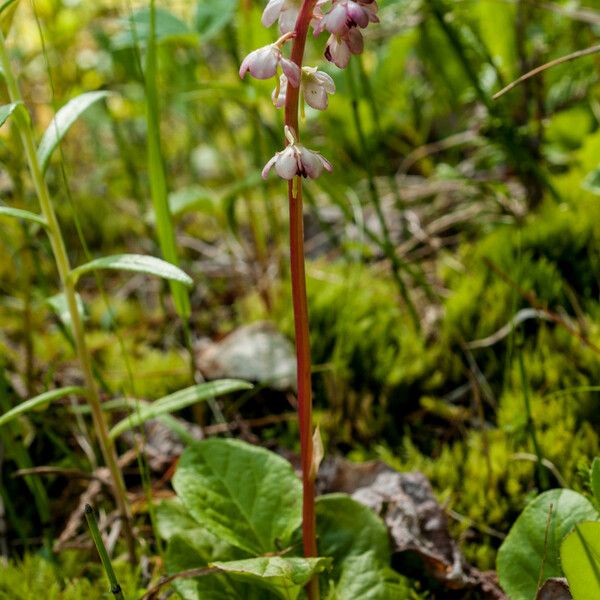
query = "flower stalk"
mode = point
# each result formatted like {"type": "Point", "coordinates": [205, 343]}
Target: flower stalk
{"type": "Point", "coordinates": [64, 271]}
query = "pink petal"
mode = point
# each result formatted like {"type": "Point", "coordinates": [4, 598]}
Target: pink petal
{"type": "Point", "coordinates": [325, 81]}
{"type": "Point", "coordinates": [335, 20]}
{"type": "Point", "coordinates": [355, 41]}
{"type": "Point", "coordinates": [272, 12]}
{"type": "Point", "coordinates": [287, 163]}
{"type": "Point", "coordinates": [263, 64]}
{"type": "Point", "coordinates": [337, 52]}
{"type": "Point", "coordinates": [357, 14]}
{"type": "Point", "coordinates": [291, 71]}
{"type": "Point", "coordinates": [267, 167]}
{"type": "Point", "coordinates": [312, 163]}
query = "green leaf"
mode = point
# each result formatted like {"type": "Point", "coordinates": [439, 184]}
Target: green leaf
{"type": "Point", "coordinates": [243, 494]}
{"type": "Point", "coordinates": [521, 555]}
{"type": "Point", "coordinates": [7, 12]}
{"type": "Point", "coordinates": [595, 479]}
{"type": "Point", "coordinates": [17, 213]}
{"type": "Point", "coordinates": [38, 402]}
{"type": "Point", "coordinates": [364, 577]}
{"type": "Point", "coordinates": [58, 304]}
{"type": "Point", "coordinates": [137, 263]}
{"type": "Point", "coordinates": [173, 518]}
{"type": "Point", "coordinates": [6, 110]}
{"type": "Point", "coordinates": [347, 528]}
{"type": "Point", "coordinates": [192, 198]}
{"type": "Point", "coordinates": [168, 28]}
{"type": "Point", "coordinates": [178, 401]}
{"type": "Point", "coordinates": [196, 548]}
{"type": "Point", "coordinates": [580, 556]}
{"type": "Point", "coordinates": [213, 17]}
{"type": "Point", "coordinates": [156, 169]}
{"type": "Point", "coordinates": [592, 181]}
{"type": "Point", "coordinates": [63, 121]}
{"type": "Point", "coordinates": [284, 576]}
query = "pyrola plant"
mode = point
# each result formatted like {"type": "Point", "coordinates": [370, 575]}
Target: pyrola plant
{"type": "Point", "coordinates": [343, 20]}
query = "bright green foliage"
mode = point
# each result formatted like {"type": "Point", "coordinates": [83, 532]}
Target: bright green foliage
{"type": "Point", "coordinates": [17, 213]}
{"type": "Point", "coordinates": [580, 560]}
{"type": "Point", "coordinates": [284, 576]}
{"type": "Point", "coordinates": [595, 479]}
{"type": "Point", "coordinates": [6, 110]}
{"type": "Point", "coordinates": [243, 494]}
{"type": "Point", "coordinates": [67, 579]}
{"type": "Point", "coordinates": [530, 553]}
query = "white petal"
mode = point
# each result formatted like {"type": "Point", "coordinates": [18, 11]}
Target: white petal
{"type": "Point", "coordinates": [268, 166]}
{"type": "Point", "coordinates": [264, 63]}
{"type": "Point", "coordinates": [311, 164]}
{"type": "Point", "coordinates": [288, 18]}
{"type": "Point", "coordinates": [272, 12]}
{"type": "Point", "coordinates": [325, 81]}
{"type": "Point", "coordinates": [287, 163]}
{"type": "Point", "coordinates": [337, 52]}
{"type": "Point", "coordinates": [315, 95]}
{"type": "Point", "coordinates": [291, 70]}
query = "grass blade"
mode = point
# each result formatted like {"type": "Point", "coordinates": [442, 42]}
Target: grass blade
{"type": "Point", "coordinates": [38, 402]}
{"type": "Point", "coordinates": [156, 170]}
{"type": "Point", "coordinates": [63, 121]}
{"type": "Point", "coordinates": [178, 401]}
{"type": "Point", "coordinates": [137, 263]}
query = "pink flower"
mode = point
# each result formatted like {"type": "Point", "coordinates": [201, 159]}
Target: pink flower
{"type": "Point", "coordinates": [262, 64]}
{"type": "Point", "coordinates": [296, 160]}
{"type": "Point", "coordinates": [315, 86]}
{"type": "Point", "coordinates": [340, 47]}
{"type": "Point", "coordinates": [346, 14]}
{"type": "Point", "coordinates": [284, 11]}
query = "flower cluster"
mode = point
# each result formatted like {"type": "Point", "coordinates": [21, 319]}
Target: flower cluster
{"type": "Point", "coordinates": [343, 20]}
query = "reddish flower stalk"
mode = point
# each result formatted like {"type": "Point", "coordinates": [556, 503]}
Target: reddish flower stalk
{"type": "Point", "coordinates": [309, 535]}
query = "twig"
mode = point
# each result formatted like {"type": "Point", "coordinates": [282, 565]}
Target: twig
{"type": "Point", "coordinates": [532, 299]}
{"type": "Point", "coordinates": [545, 66]}
{"type": "Point", "coordinates": [151, 594]}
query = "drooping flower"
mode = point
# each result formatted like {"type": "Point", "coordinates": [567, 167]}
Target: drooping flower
{"type": "Point", "coordinates": [315, 86]}
{"type": "Point", "coordinates": [284, 11]}
{"type": "Point", "coordinates": [263, 62]}
{"type": "Point", "coordinates": [340, 47]}
{"type": "Point", "coordinates": [346, 14]}
{"type": "Point", "coordinates": [296, 160]}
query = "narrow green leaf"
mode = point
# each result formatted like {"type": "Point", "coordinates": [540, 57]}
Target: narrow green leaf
{"type": "Point", "coordinates": [156, 170]}
{"type": "Point", "coordinates": [595, 479]}
{"type": "Point", "coordinates": [58, 303]}
{"type": "Point", "coordinates": [526, 546]}
{"type": "Point", "coordinates": [38, 402]}
{"type": "Point", "coordinates": [243, 494]}
{"type": "Point", "coordinates": [6, 110]}
{"type": "Point", "coordinates": [178, 401]}
{"type": "Point", "coordinates": [283, 576]}
{"type": "Point", "coordinates": [17, 213]}
{"type": "Point", "coordinates": [63, 121]}
{"type": "Point", "coordinates": [137, 263]}
{"type": "Point", "coordinates": [580, 556]}
{"type": "Point", "coordinates": [7, 12]}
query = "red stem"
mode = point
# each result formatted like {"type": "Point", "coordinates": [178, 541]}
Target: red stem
{"type": "Point", "coordinates": [301, 309]}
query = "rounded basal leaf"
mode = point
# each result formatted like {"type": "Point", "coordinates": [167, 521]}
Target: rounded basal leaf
{"type": "Point", "coordinates": [285, 577]}
{"type": "Point", "coordinates": [363, 577]}
{"type": "Point", "coordinates": [521, 555]}
{"type": "Point", "coordinates": [243, 494]}
{"type": "Point", "coordinates": [347, 528]}
{"type": "Point", "coordinates": [580, 557]}
{"type": "Point", "coordinates": [173, 518]}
